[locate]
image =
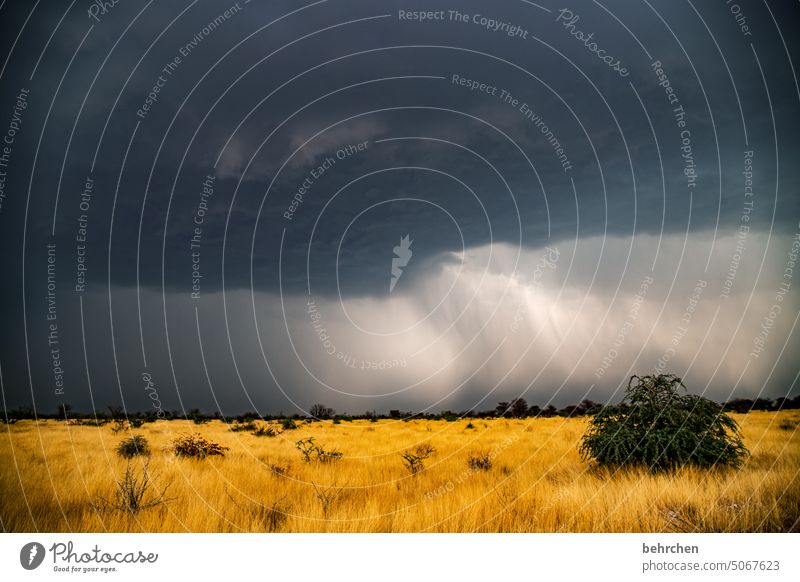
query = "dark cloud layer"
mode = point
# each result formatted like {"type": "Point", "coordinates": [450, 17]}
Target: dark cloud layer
{"type": "Point", "coordinates": [554, 150]}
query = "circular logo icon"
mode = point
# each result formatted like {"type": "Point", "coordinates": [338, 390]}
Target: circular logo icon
{"type": "Point", "coordinates": [31, 555]}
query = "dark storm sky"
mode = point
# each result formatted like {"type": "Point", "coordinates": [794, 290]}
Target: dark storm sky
{"type": "Point", "coordinates": [263, 97]}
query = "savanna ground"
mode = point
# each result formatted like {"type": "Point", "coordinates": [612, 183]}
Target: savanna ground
{"type": "Point", "coordinates": [60, 477]}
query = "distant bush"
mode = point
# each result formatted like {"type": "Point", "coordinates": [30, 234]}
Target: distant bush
{"type": "Point", "coordinates": [659, 428]}
{"type": "Point", "coordinates": [414, 459]}
{"type": "Point", "coordinates": [288, 424]}
{"type": "Point", "coordinates": [245, 426]}
{"type": "Point", "coordinates": [479, 461]}
{"type": "Point", "coordinates": [321, 412]}
{"type": "Point", "coordinates": [196, 446]}
{"type": "Point", "coordinates": [789, 424]}
{"type": "Point", "coordinates": [134, 446]}
{"type": "Point", "coordinates": [469, 426]}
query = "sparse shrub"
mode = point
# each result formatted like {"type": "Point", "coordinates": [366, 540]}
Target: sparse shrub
{"type": "Point", "coordinates": [327, 496]}
{"type": "Point", "coordinates": [134, 446]}
{"type": "Point", "coordinates": [469, 426]}
{"type": "Point", "coordinates": [660, 429]}
{"type": "Point", "coordinates": [479, 461]}
{"type": "Point", "coordinates": [266, 431]}
{"type": "Point", "coordinates": [196, 446]}
{"type": "Point", "coordinates": [135, 493]}
{"type": "Point", "coordinates": [136, 422]}
{"type": "Point", "coordinates": [288, 424]}
{"type": "Point", "coordinates": [274, 515]}
{"type": "Point", "coordinates": [337, 421]}
{"type": "Point", "coordinates": [311, 452]}
{"type": "Point", "coordinates": [414, 459]}
{"type": "Point", "coordinates": [789, 424]}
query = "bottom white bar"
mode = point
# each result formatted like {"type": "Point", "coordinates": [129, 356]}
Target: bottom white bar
{"type": "Point", "coordinates": [357, 557]}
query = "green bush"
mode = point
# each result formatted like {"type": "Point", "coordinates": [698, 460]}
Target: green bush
{"type": "Point", "coordinates": [134, 446]}
{"type": "Point", "coordinates": [288, 424]}
{"type": "Point", "coordinates": [660, 429]}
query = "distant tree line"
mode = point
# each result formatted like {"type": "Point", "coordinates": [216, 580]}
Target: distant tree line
{"type": "Point", "coordinates": [516, 408]}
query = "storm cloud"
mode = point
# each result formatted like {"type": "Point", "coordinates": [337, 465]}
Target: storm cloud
{"type": "Point", "coordinates": [213, 194]}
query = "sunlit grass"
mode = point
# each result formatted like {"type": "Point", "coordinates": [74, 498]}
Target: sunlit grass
{"type": "Point", "coordinates": [55, 477]}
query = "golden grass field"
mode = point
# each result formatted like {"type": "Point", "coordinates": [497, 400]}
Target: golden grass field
{"type": "Point", "coordinates": [58, 477]}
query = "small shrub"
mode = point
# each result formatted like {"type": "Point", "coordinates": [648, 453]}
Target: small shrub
{"type": "Point", "coordinates": [311, 452]}
{"type": "Point", "coordinates": [266, 431]}
{"type": "Point", "coordinates": [414, 459]}
{"type": "Point", "coordinates": [135, 493]}
{"type": "Point", "coordinates": [789, 424]}
{"type": "Point", "coordinates": [469, 426]}
{"type": "Point", "coordinates": [660, 429]}
{"type": "Point", "coordinates": [327, 496]}
{"type": "Point", "coordinates": [479, 461]}
{"type": "Point", "coordinates": [288, 424]}
{"type": "Point", "coordinates": [196, 446]}
{"type": "Point", "coordinates": [134, 446]}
